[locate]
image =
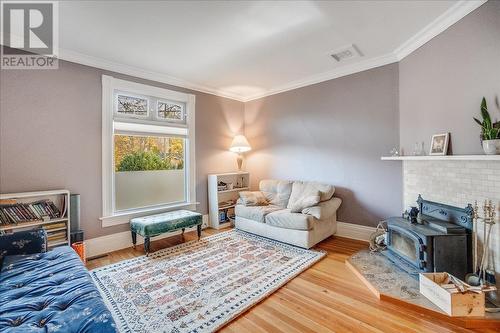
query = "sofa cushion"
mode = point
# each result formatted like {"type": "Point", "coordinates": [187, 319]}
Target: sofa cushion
{"type": "Point", "coordinates": [256, 213]}
{"type": "Point", "coordinates": [306, 199]}
{"type": "Point", "coordinates": [277, 192]}
{"type": "Point", "coordinates": [253, 198]}
{"type": "Point", "coordinates": [49, 292]}
{"type": "Point", "coordinates": [288, 220]}
{"type": "Point", "coordinates": [324, 210]}
{"type": "Point", "coordinates": [299, 187]}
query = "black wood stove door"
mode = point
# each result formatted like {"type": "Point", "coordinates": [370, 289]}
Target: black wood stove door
{"type": "Point", "coordinates": [409, 246]}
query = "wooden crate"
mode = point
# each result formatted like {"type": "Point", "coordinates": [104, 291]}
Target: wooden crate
{"type": "Point", "coordinates": [468, 304]}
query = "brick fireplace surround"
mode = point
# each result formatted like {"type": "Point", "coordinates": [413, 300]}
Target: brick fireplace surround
{"type": "Point", "coordinates": [457, 183]}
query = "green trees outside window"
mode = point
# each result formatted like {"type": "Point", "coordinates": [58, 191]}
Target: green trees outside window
{"type": "Point", "coordinates": [146, 153]}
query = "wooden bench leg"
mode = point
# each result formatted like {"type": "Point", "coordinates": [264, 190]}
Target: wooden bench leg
{"type": "Point", "coordinates": [198, 229]}
{"type": "Point", "coordinates": [134, 238]}
{"type": "Point", "coordinates": [146, 245]}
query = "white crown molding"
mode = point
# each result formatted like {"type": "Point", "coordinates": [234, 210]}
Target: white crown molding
{"type": "Point", "coordinates": [333, 74]}
{"type": "Point", "coordinates": [101, 63]}
{"type": "Point", "coordinates": [454, 14]}
{"type": "Point", "coordinates": [437, 26]}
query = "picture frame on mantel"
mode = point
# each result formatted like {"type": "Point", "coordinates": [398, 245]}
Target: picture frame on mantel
{"type": "Point", "coordinates": [439, 144]}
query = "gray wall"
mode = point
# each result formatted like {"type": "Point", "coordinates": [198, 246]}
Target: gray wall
{"type": "Point", "coordinates": [50, 135]}
{"type": "Point", "coordinates": [442, 83]}
{"type": "Point", "coordinates": [334, 132]}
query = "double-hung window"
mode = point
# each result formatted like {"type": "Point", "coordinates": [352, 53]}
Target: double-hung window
{"type": "Point", "coordinates": [148, 149]}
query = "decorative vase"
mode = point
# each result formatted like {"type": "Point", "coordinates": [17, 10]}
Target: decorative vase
{"type": "Point", "coordinates": [491, 147]}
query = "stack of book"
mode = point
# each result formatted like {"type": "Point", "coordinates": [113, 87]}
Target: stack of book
{"type": "Point", "coordinates": [13, 213]}
{"type": "Point", "coordinates": [52, 226]}
{"type": "Point", "coordinates": [54, 232]}
{"type": "Point", "coordinates": [56, 236]}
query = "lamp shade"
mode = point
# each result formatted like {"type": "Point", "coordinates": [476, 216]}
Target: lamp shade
{"type": "Point", "coordinates": [240, 144]}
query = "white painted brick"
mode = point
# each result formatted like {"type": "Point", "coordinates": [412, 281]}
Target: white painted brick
{"type": "Point", "coordinates": [494, 177]}
{"type": "Point", "coordinates": [456, 183]}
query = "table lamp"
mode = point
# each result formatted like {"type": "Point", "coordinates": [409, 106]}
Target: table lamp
{"type": "Point", "coordinates": [240, 145]}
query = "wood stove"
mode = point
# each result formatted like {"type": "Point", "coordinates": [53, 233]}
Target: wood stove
{"type": "Point", "coordinates": [439, 241]}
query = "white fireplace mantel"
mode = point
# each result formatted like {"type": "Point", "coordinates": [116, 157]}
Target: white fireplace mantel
{"type": "Point", "coordinates": [443, 158]}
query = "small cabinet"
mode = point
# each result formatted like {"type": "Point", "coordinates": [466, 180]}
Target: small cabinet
{"type": "Point", "coordinates": [223, 191]}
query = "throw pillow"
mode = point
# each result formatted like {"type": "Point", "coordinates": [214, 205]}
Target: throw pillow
{"type": "Point", "coordinates": [277, 192]}
{"type": "Point", "coordinates": [307, 199]}
{"type": "Point", "coordinates": [299, 187]}
{"type": "Point", "coordinates": [253, 198]}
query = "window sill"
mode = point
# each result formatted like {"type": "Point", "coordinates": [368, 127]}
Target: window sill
{"type": "Point", "coordinates": [124, 218]}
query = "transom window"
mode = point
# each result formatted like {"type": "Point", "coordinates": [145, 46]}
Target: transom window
{"type": "Point", "coordinates": [170, 110]}
{"type": "Point", "coordinates": [148, 147]}
{"type": "Point", "coordinates": [131, 105]}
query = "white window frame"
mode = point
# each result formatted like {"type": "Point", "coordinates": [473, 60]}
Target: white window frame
{"type": "Point", "coordinates": [110, 85]}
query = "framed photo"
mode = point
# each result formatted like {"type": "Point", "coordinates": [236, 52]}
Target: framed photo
{"type": "Point", "coordinates": [439, 144]}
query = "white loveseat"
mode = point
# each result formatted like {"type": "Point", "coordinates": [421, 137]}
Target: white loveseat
{"type": "Point", "coordinates": [276, 221]}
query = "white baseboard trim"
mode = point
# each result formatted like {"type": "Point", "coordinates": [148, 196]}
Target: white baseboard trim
{"type": "Point", "coordinates": [354, 231]}
{"type": "Point", "coordinates": [121, 240]}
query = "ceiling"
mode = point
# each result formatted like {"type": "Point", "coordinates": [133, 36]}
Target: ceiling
{"type": "Point", "coordinates": [247, 49]}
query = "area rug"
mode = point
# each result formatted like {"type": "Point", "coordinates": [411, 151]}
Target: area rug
{"type": "Point", "coordinates": [201, 285]}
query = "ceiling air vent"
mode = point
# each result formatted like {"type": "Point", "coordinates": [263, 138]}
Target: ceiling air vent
{"type": "Point", "coordinates": [346, 52]}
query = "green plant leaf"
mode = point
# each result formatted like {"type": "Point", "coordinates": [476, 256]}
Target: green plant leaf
{"type": "Point", "coordinates": [148, 160]}
{"type": "Point", "coordinates": [495, 132]}
{"type": "Point", "coordinates": [485, 114]}
{"type": "Point", "coordinates": [483, 104]}
{"type": "Point", "coordinates": [477, 121]}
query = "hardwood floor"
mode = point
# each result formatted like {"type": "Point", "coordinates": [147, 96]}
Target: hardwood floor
{"type": "Point", "coordinates": [327, 297]}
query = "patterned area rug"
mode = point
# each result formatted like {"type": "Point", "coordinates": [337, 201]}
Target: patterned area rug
{"type": "Point", "coordinates": [201, 285]}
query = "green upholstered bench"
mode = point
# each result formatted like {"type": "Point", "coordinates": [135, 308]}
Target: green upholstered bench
{"type": "Point", "coordinates": [154, 225]}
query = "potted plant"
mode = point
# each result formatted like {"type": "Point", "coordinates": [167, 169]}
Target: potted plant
{"type": "Point", "coordinates": [490, 132]}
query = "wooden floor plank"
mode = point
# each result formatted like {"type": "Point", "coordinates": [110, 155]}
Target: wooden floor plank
{"type": "Point", "coordinates": [327, 297]}
{"type": "Point", "coordinates": [242, 325]}
{"type": "Point", "coordinates": [298, 319]}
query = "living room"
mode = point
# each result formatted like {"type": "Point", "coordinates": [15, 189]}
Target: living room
{"type": "Point", "coordinates": [182, 166]}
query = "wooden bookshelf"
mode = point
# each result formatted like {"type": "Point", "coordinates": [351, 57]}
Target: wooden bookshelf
{"type": "Point", "coordinates": [234, 190]}
{"type": "Point", "coordinates": [58, 197]}
{"type": "Point", "coordinates": [30, 224]}
{"type": "Point", "coordinates": [226, 207]}
{"type": "Point", "coordinates": [55, 229]}
{"type": "Point", "coordinates": [57, 243]}
{"type": "Point", "coordinates": [218, 198]}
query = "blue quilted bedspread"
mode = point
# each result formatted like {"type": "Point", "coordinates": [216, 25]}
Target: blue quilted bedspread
{"type": "Point", "coordinates": [50, 292]}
